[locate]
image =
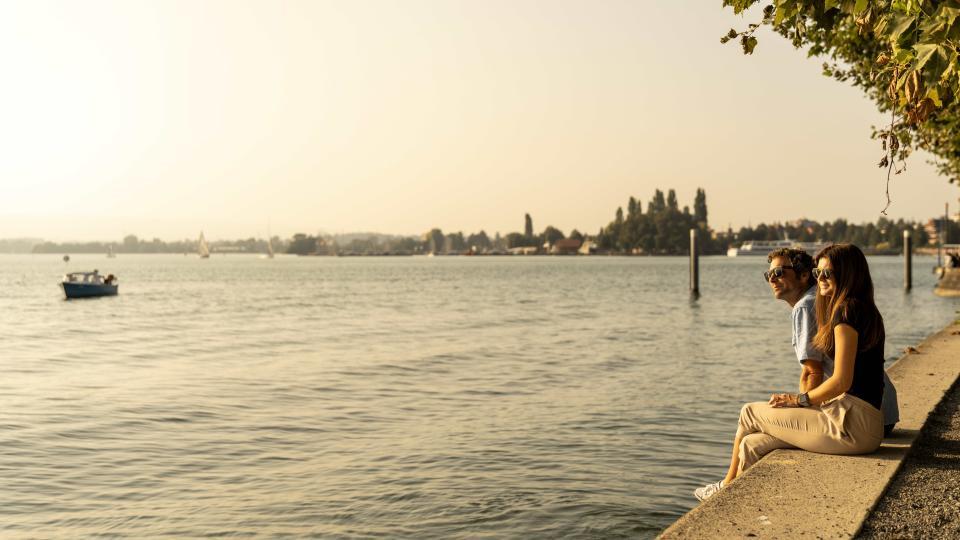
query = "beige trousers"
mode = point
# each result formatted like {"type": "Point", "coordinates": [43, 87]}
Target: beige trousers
{"type": "Point", "coordinates": [844, 425]}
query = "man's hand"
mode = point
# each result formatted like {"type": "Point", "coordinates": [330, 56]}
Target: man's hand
{"type": "Point", "coordinates": [784, 400]}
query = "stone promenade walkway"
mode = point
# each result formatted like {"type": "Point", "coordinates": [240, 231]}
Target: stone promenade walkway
{"type": "Point", "coordinates": [924, 499]}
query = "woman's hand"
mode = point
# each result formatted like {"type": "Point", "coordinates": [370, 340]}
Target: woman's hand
{"type": "Point", "coordinates": [784, 400]}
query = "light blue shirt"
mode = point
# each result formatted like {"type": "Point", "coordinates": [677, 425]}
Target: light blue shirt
{"type": "Point", "coordinates": [804, 330]}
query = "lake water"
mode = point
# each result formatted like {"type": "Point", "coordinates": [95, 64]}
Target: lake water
{"type": "Point", "coordinates": [400, 397]}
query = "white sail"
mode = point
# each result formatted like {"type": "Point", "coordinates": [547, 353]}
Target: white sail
{"type": "Point", "coordinates": [269, 248]}
{"type": "Point", "coordinates": [202, 248]}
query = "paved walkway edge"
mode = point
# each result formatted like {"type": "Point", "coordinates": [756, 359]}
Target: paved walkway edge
{"type": "Point", "coordinates": [792, 493]}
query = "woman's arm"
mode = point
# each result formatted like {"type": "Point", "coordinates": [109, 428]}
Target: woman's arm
{"type": "Point", "coordinates": [845, 356]}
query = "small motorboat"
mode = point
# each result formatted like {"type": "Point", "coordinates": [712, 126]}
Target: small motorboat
{"type": "Point", "coordinates": [89, 285]}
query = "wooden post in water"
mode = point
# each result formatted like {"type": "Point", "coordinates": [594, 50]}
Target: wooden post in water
{"type": "Point", "coordinates": [946, 223]}
{"type": "Point", "coordinates": [941, 233]}
{"type": "Point", "coordinates": [694, 264]}
{"type": "Point", "coordinates": [907, 261]}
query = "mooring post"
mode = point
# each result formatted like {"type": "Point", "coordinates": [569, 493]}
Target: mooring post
{"type": "Point", "coordinates": [694, 264]}
{"type": "Point", "coordinates": [907, 261]}
{"type": "Point", "coordinates": [946, 223]}
{"type": "Point", "coordinates": [941, 233]}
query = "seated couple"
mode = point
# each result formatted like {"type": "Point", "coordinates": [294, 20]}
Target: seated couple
{"type": "Point", "coordinates": [846, 403]}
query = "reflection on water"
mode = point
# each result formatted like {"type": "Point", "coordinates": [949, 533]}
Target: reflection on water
{"type": "Point", "coordinates": [415, 397]}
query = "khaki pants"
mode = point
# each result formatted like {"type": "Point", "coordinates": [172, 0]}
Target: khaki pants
{"type": "Point", "coordinates": [843, 425]}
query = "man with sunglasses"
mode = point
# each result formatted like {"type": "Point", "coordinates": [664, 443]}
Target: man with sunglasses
{"type": "Point", "coordinates": [791, 278]}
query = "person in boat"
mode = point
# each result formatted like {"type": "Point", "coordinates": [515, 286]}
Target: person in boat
{"type": "Point", "coordinates": [953, 260]}
{"type": "Point", "coordinates": [110, 279]}
{"type": "Point", "coordinates": [841, 415]}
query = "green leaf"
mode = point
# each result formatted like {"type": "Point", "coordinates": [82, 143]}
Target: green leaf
{"type": "Point", "coordinates": [860, 6]}
{"type": "Point", "coordinates": [830, 4]}
{"type": "Point", "coordinates": [901, 24]}
{"type": "Point", "coordinates": [739, 6]}
{"type": "Point", "coordinates": [903, 56]}
{"type": "Point", "coordinates": [785, 10]}
{"type": "Point", "coordinates": [951, 69]}
{"type": "Point", "coordinates": [925, 51]}
{"type": "Point", "coordinates": [934, 96]}
{"type": "Point", "coordinates": [950, 14]}
{"type": "Point", "coordinates": [935, 28]}
{"type": "Point", "coordinates": [932, 60]}
{"type": "Point", "coordinates": [781, 11]}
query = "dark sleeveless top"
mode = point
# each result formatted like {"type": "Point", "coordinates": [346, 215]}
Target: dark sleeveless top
{"type": "Point", "coordinates": [868, 366]}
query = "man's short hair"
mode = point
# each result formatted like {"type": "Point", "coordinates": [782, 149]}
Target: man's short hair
{"type": "Point", "coordinates": [799, 259]}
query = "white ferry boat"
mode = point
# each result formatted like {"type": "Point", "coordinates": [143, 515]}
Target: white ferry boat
{"type": "Point", "coordinates": [763, 247]}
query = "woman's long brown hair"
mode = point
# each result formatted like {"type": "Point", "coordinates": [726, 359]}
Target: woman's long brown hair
{"type": "Point", "coordinates": [853, 285]}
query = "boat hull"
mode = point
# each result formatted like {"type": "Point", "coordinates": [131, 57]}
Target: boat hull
{"type": "Point", "coordinates": [88, 290]}
{"type": "Point", "coordinates": [736, 252]}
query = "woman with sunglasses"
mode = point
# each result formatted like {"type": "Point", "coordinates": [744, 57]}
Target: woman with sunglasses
{"type": "Point", "coordinates": [842, 415]}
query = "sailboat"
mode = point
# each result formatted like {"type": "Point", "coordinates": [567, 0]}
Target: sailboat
{"type": "Point", "coordinates": [110, 253]}
{"type": "Point", "coordinates": [202, 248]}
{"type": "Point", "coordinates": [269, 243]}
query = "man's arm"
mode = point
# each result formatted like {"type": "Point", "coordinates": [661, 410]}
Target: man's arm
{"type": "Point", "coordinates": [811, 375]}
{"type": "Point", "coordinates": [811, 360]}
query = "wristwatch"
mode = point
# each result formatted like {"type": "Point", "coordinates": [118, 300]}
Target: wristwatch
{"type": "Point", "coordinates": [803, 400]}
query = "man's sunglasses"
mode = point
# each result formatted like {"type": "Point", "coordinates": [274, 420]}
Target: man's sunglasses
{"type": "Point", "coordinates": [826, 273]}
{"type": "Point", "coordinates": [776, 271]}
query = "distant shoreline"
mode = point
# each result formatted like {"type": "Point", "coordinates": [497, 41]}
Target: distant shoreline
{"type": "Point", "coordinates": [873, 253]}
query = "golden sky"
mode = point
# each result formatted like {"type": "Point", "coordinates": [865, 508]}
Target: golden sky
{"type": "Point", "coordinates": [165, 118]}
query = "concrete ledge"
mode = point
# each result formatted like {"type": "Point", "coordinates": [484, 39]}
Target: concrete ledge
{"type": "Point", "coordinates": [797, 494]}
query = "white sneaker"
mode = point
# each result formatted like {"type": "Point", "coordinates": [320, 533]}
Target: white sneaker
{"type": "Point", "coordinates": [707, 491]}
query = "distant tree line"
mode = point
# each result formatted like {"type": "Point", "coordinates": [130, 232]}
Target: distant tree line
{"type": "Point", "coordinates": [131, 244]}
{"type": "Point", "coordinates": [664, 229]}
{"type": "Point", "coordinates": [354, 244]}
{"type": "Point", "coordinates": [435, 241]}
{"type": "Point", "coordinates": [884, 234]}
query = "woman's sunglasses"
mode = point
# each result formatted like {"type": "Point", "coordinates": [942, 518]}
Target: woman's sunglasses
{"type": "Point", "coordinates": [826, 273]}
{"type": "Point", "coordinates": [776, 271]}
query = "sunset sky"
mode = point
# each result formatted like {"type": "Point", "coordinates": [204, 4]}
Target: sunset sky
{"type": "Point", "coordinates": [162, 119]}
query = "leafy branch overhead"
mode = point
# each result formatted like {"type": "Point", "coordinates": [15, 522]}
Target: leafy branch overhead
{"type": "Point", "coordinates": [904, 54]}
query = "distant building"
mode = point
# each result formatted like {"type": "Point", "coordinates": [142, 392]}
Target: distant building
{"type": "Point", "coordinates": [523, 250]}
{"type": "Point", "coordinates": [565, 246]}
{"type": "Point", "coordinates": [933, 228]}
{"type": "Point", "coordinates": [807, 225]}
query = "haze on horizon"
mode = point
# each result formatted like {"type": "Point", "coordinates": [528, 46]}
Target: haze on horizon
{"type": "Point", "coordinates": [162, 119]}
